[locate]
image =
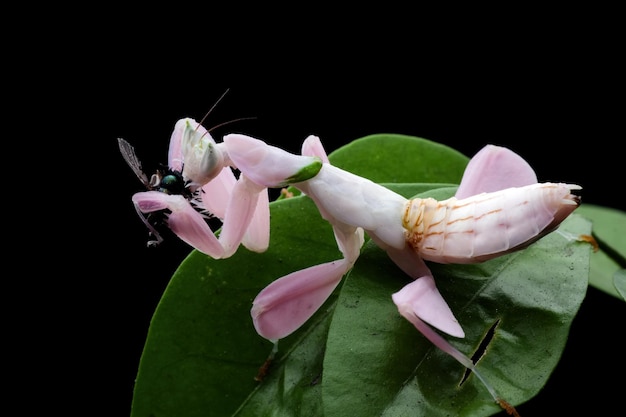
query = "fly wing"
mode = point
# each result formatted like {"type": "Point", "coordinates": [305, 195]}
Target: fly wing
{"type": "Point", "coordinates": [495, 168]}
{"type": "Point", "coordinates": [128, 152]}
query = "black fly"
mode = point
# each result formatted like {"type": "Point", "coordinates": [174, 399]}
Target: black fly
{"type": "Point", "coordinates": [165, 180]}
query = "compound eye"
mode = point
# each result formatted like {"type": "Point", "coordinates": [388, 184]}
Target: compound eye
{"type": "Point", "coordinates": [172, 184]}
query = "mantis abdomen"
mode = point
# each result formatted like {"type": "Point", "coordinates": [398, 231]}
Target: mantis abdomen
{"type": "Point", "coordinates": [486, 225]}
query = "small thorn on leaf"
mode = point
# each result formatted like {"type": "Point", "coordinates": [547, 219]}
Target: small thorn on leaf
{"type": "Point", "coordinates": [263, 370]}
{"type": "Point", "coordinates": [590, 239]}
{"type": "Point", "coordinates": [510, 410]}
{"type": "Point", "coordinates": [581, 238]}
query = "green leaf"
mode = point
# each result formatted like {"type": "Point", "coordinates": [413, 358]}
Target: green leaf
{"type": "Point", "coordinates": [376, 363]}
{"type": "Point", "coordinates": [291, 388]}
{"type": "Point", "coordinates": [393, 158]}
{"type": "Point", "coordinates": [202, 352]}
{"type": "Point", "coordinates": [609, 230]}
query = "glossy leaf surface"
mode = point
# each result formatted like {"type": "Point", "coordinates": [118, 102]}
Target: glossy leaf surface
{"type": "Point", "coordinates": [377, 363]}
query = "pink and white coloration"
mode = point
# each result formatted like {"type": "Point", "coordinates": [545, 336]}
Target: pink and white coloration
{"type": "Point", "coordinates": [208, 187]}
{"type": "Point", "coordinates": [491, 214]}
{"type": "Point", "coordinates": [490, 221]}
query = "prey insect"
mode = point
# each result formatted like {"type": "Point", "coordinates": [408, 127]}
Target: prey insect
{"type": "Point", "coordinates": [199, 184]}
{"type": "Point", "coordinates": [164, 180]}
{"type": "Point", "coordinates": [198, 167]}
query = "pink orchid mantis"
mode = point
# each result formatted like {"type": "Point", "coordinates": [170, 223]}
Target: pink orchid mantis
{"type": "Point", "coordinates": [489, 216]}
{"type": "Point", "coordinates": [199, 182]}
{"type": "Point", "coordinates": [498, 208]}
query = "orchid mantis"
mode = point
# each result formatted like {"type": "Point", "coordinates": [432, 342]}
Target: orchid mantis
{"type": "Point", "coordinates": [199, 183]}
{"type": "Point", "coordinates": [499, 207]}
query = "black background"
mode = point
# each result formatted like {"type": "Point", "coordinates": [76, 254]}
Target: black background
{"type": "Point", "coordinates": [567, 134]}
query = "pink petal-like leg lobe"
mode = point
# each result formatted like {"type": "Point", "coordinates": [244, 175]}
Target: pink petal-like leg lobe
{"type": "Point", "coordinates": [189, 225]}
{"type": "Point", "coordinates": [220, 196]}
{"type": "Point", "coordinates": [239, 214]}
{"type": "Point", "coordinates": [287, 303]}
{"type": "Point", "coordinates": [257, 236]}
{"type": "Point", "coordinates": [421, 299]}
{"type": "Point", "coordinates": [175, 153]}
{"type": "Point", "coordinates": [215, 194]}
{"type": "Point", "coordinates": [312, 146]}
{"type": "Point", "coordinates": [192, 228]}
{"type": "Point", "coordinates": [151, 201]}
{"type": "Point", "coordinates": [495, 168]}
